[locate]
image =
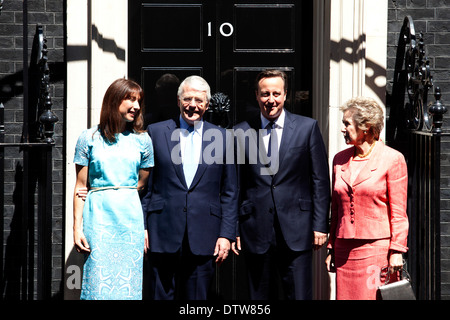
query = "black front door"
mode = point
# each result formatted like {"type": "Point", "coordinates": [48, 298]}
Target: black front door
{"type": "Point", "coordinates": [227, 43]}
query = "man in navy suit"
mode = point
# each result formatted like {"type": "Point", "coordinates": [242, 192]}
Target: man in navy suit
{"type": "Point", "coordinates": [190, 209]}
{"type": "Point", "coordinates": [284, 196]}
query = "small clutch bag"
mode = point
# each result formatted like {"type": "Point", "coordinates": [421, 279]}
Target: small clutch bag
{"type": "Point", "coordinates": [398, 290]}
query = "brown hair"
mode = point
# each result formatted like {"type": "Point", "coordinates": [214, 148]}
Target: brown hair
{"type": "Point", "coordinates": [271, 74]}
{"type": "Point", "coordinates": [111, 121]}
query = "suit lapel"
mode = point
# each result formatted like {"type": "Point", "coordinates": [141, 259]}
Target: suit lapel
{"type": "Point", "coordinates": [366, 171]}
{"type": "Point", "coordinates": [346, 174]}
{"type": "Point", "coordinates": [255, 124]}
{"type": "Point", "coordinates": [286, 140]}
{"type": "Point", "coordinates": [171, 145]}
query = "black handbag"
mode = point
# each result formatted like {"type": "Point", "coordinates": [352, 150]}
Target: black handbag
{"type": "Point", "coordinates": [398, 290]}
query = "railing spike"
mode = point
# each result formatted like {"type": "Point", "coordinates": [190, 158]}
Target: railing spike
{"type": "Point", "coordinates": [437, 110]}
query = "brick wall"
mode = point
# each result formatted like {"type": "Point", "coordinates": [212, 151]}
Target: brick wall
{"type": "Point", "coordinates": [49, 14]}
{"type": "Point", "coordinates": [432, 18]}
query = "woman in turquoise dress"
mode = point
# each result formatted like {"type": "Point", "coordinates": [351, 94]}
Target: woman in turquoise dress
{"type": "Point", "coordinates": [113, 161]}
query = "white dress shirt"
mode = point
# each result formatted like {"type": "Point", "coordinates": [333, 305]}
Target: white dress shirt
{"type": "Point", "coordinates": [278, 126]}
{"type": "Point", "coordinates": [198, 130]}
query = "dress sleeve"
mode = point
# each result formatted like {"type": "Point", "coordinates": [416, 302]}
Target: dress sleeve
{"type": "Point", "coordinates": [82, 150]}
{"type": "Point", "coordinates": [147, 160]}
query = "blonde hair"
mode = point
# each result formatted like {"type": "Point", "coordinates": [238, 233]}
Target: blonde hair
{"type": "Point", "coordinates": [367, 114]}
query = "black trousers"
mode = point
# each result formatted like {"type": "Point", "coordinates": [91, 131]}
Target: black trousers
{"type": "Point", "coordinates": [280, 264]}
{"type": "Point", "coordinates": [179, 276]}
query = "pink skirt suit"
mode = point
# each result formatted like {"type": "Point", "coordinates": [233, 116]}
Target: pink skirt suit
{"type": "Point", "coordinates": [368, 218]}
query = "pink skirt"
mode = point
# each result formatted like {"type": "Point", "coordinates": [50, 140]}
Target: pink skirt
{"type": "Point", "coordinates": [358, 267]}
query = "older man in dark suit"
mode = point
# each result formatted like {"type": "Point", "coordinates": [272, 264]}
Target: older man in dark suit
{"type": "Point", "coordinates": [191, 205]}
{"type": "Point", "coordinates": [284, 193]}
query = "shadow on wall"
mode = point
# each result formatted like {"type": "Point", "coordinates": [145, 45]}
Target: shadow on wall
{"type": "Point", "coordinates": [11, 284]}
{"type": "Point", "coordinates": [11, 86]}
{"type": "Point", "coordinates": [21, 253]}
{"type": "Point", "coordinates": [348, 51]}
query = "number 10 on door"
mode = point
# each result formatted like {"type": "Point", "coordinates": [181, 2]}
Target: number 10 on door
{"type": "Point", "coordinates": [226, 29]}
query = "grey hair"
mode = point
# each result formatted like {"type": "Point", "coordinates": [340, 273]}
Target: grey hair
{"type": "Point", "coordinates": [366, 112]}
{"type": "Point", "coordinates": [197, 83]}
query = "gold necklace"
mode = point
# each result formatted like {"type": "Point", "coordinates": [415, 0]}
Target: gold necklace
{"type": "Point", "coordinates": [368, 152]}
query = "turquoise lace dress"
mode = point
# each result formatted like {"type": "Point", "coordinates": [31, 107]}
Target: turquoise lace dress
{"type": "Point", "coordinates": [112, 215]}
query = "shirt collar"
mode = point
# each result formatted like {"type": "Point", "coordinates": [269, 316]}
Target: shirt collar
{"type": "Point", "coordinates": [198, 125]}
{"type": "Point", "coordinates": [279, 122]}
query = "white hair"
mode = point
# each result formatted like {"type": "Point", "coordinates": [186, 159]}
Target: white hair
{"type": "Point", "coordinates": [197, 83]}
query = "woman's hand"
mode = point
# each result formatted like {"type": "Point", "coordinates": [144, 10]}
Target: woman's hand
{"type": "Point", "coordinates": [395, 262]}
{"type": "Point", "coordinates": [329, 261]}
{"type": "Point", "coordinates": [80, 241]}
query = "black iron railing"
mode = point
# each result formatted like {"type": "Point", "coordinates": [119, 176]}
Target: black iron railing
{"type": "Point", "coordinates": [26, 256]}
{"type": "Point", "coordinates": [415, 128]}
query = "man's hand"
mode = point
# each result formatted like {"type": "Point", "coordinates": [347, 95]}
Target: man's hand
{"type": "Point", "coordinates": [221, 251]}
{"type": "Point", "coordinates": [236, 246]}
{"type": "Point", "coordinates": [319, 239]}
{"type": "Point", "coordinates": [82, 193]}
{"type": "Point", "coordinates": [146, 242]}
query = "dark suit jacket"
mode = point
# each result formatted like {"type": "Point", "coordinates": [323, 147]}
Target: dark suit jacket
{"type": "Point", "coordinates": [206, 210]}
{"type": "Point", "coordinates": [299, 192]}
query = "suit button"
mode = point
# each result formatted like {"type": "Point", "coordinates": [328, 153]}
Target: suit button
{"type": "Point", "coordinates": [270, 210]}
{"type": "Point", "coordinates": [184, 209]}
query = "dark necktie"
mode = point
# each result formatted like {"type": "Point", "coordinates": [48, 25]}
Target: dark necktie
{"type": "Point", "coordinates": [270, 127]}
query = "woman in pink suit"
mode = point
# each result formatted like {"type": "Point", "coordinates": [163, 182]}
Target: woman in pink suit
{"type": "Point", "coordinates": [369, 225]}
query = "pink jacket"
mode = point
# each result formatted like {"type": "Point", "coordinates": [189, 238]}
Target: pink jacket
{"type": "Point", "coordinates": [374, 207]}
